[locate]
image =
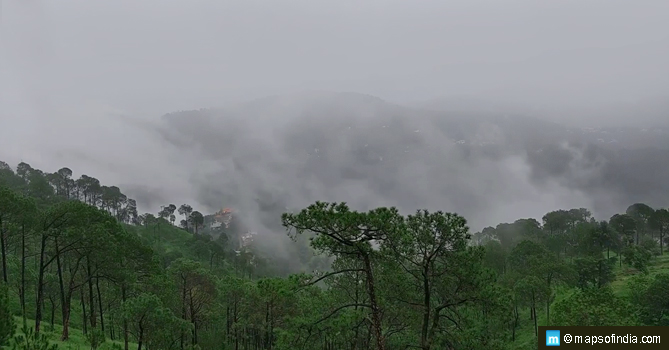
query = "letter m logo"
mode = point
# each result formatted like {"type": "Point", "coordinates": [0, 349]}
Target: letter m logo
{"type": "Point", "coordinates": [552, 338]}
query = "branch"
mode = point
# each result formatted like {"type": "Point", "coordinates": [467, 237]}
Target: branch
{"type": "Point", "coordinates": [339, 309]}
{"type": "Point", "coordinates": [330, 274]}
{"type": "Point", "coordinates": [408, 302]}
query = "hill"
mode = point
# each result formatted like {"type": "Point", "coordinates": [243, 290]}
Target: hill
{"type": "Point", "coordinates": [291, 150]}
{"type": "Point", "coordinates": [77, 257]}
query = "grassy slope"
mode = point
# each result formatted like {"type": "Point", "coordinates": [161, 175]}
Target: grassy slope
{"type": "Point", "coordinates": [525, 336]}
{"type": "Point", "coordinates": [167, 238]}
{"type": "Point", "coordinates": [77, 339]}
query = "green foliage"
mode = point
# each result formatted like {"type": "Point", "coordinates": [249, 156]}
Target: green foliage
{"type": "Point", "coordinates": [593, 307]}
{"type": "Point", "coordinates": [29, 340]}
{"type": "Point", "coordinates": [651, 297]}
{"type": "Point", "coordinates": [150, 322]}
{"type": "Point", "coordinates": [495, 257]}
{"type": "Point", "coordinates": [638, 257]}
{"type": "Point", "coordinates": [95, 338]}
{"type": "Point", "coordinates": [110, 346]}
{"type": "Point", "coordinates": [594, 272]}
{"type": "Point", "coordinates": [651, 245]}
{"type": "Point", "coordinates": [389, 281]}
{"type": "Point", "coordinates": [7, 325]}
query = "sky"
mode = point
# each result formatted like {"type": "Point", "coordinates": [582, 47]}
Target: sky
{"type": "Point", "coordinates": [69, 69]}
{"type": "Point", "coordinates": [157, 56]}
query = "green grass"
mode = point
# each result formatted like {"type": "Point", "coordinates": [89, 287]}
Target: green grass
{"type": "Point", "coordinates": [165, 238]}
{"type": "Point", "coordinates": [77, 340]}
{"type": "Point", "coordinates": [525, 338]}
{"type": "Point", "coordinates": [624, 274]}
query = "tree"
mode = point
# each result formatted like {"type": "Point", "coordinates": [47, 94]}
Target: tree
{"type": "Point", "coordinates": [483, 237]}
{"type": "Point", "coordinates": [593, 307]}
{"type": "Point", "coordinates": [659, 221]}
{"type": "Point", "coordinates": [592, 268]}
{"type": "Point", "coordinates": [348, 234]}
{"type": "Point", "coordinates": [638, 257]}
{"type": "Point", "coordinates": [23, 170]}
{"type": "Point", "coordinates": [594, 272]}
{"type": "Point", "coordinates": [556, 225]}
{"type": "Point", "coordinates": [196, 219]}
{"type": "Point", "coordinates": [185, 210]}
{"type": "Point", "coordinates": [532, 291]}
{"type": "Point", "coordinates": [536, 263]}
{"type": "Point", "coordinates": [167, 211]}
{"type": "Point", "coordinates": [625, 227]}
{"type": "Point", "coordinates": [39, 187]}
{"type": "Point", "coordinates": [495, 257]}
{"type": "Point", "coordinates": [171, 208]}
{"type": "Point", "coordinates": [197, 289]}
{"type": "Point", "coordinates": [148, 318]}
{"type": "Point", "coordinates": [66, 182]}
{"type": "Point", "coordinates": [8, 207]}
{"type": "Point", "coordinates": [432, 249]}
{"type": "Point", "coordinates": [9, 179]}
{"type": "Point", "coordinates": [651, 296]}
{"type": "Point", "coordinates": [641, 213]}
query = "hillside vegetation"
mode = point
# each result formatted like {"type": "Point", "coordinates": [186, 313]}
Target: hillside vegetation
{"type": "Point", "coordinates": [81, 268]}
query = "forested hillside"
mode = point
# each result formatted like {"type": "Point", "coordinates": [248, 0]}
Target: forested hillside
{"type": "Point", "coordinates": [81, 268]}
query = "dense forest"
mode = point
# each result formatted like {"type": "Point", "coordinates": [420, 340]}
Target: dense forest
{"type": "Point", "coordinates": [81, 268]}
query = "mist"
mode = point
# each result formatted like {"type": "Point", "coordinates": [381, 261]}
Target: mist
{"type": "Point", "coordinates": [87, 85]}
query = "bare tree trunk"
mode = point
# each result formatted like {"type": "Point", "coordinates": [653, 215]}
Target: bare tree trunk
{"type": "Point", "coordinates": [23, 272]}
{"type": "Point", "coordinates": [83, 311]}
{"type": "Point", "coordinates": [3, 252]}
{"type": "Point", "coordinates": [126, 339]}
{"type": "Point", "coordinates": [376, 313]}
{"type": "Point", "coordinates": [40, 286]}
{"type": "Point", "coordinates": [102, 317]}
{"type": "Point", "coordinates": [91, 298]}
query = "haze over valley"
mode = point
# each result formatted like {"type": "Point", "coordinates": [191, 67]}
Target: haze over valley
{"type": "Point", "coordinates": [531, 125]}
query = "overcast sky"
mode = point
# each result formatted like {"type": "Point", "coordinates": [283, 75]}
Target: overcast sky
{"type": "Point", "coordinates": [66, 66]}
{"type": "Point", "coordinates": [162, 55]}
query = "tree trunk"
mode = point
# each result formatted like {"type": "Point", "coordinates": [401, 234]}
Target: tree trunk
{"type": "Point", "coordinates": [376, 313]}
{"type": "Point", "coordinates": [91, 299]}
{"type": "Point", "coordinates": [102, 317]}
{"type": "Point", "coordinates": [548, 311]}
{"type": "Point", "coordinates": [83, 311]}
{"type": "Point", "coordinates": [140, 338]}
{"type": "Point", "coordinates": [516, 315]}
{"type": "Point", "coordinates": [112, 324]}
{"type": "Point", "coordinates": [66, 310]}
{"type": "Point", "coordinates": [661, 241]}
{"type": "Point", "coordinates": [126, 340]}
{"type": "Point", "coordinates": [193, 318]}
{"type": "Point", "coordinates": [3, 252]}
{"type": "Point", "coordinates": [40, 286]}
{"type": "Point", "coordinates": [183, 309]}
{"type": "Point", "coordinates": [53, 312]}
{"type": "Point", "coordinates": [65, 300]}
{"type": "Point", "coordinates": [534, 312]}
{"type": "Point", "coordinates": [23, 272]}
{"type": "Point", "coordinates": [425, 344]}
